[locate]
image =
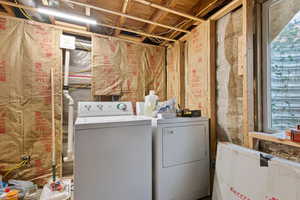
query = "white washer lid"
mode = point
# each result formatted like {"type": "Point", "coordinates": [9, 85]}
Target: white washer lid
{"type": "Point", "coordinates": [112, 121]}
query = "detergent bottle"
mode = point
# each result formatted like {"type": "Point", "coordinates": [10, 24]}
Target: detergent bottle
{"type": "Point", "coordinates": [150, 104]}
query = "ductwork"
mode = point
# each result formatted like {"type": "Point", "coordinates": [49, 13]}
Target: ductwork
{"type": "Point", "coordinates": [35, 15]}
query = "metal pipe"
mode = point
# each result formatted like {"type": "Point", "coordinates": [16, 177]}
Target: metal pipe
{"type": "Point", "coordinates": [69, 156]}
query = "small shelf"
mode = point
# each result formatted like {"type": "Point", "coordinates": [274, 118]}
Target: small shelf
{"type": "Point", "coordinates": [278, 138]}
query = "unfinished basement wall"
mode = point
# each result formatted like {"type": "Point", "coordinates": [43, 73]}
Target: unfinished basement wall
{"type": "Point", "coordinates": [280, 15]}
{"type": "Point", "coordinates": [229, 81]}
{"type": "Point", "coordinates": [128, 70]}
{"type": "Point", "coordinates": [196, 69]}
{"type": "Point", "coordinates": [175, 73]}
{"type": "Point", "coordinates": [28, 51]}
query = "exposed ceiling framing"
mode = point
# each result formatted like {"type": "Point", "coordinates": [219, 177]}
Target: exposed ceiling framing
{"type": "Point", "coordinates": [137, 20]}
{"type": "Point", "coordinates": [122, 19]}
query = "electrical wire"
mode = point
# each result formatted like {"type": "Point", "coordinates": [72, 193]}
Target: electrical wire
{"type": "Point", "coordinates": [17, 166]}
{"type": "Point", "coordinates": [24, 12]}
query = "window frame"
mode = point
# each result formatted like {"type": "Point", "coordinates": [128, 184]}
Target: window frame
{"type": "Point", "coordinates": [266, 69]}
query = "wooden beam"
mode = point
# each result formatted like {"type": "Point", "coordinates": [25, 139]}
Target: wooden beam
{"type": "Point", "coordinates": [170, 10]}
{"type": "Point", "coordinates": [258, 55]}
{"type": "Point", "coordinates": [159, 15]}
{"type": "Point", "coordinates": [128, 37]}
{"type": "Point", "coordinates": [227, 9]}
{"type": "Point", "coordinates": [271, 138]}
{"type": "Point", "coordinates": [126, 15]}
{"type": "Point", "coordinates": [100, 24]}
{"type": "Point", "coordinates": [248, 77]}
{"type": "Point", "coordinates": [212, 37]}
{"type": "Point", "coordinates": [74, 26]}
{"type": "Point", "coordinates": [202, 8]}
{"type": "Point", "coordinates": [136, 32]}
{"type": "Point", "coordinates": [182, 74]}
{"type": "Point", "coordinates": [8, 10]}
{"type": "Point", "coordinates": [222, 12]}
{"type": "Point", "coordinates": [122, 19]}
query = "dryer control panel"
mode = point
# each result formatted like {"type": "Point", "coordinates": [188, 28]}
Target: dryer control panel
{"type": "Point", "coordinates": [98, 109]}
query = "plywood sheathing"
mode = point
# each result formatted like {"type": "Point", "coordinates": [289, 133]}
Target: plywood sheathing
{"type": "Point", "coordinates": [27, 53]}
{"type": "Point", "coordinates": [229, 82]}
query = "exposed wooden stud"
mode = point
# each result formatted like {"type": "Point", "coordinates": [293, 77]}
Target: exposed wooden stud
{"type": "Point", "coordinates": [248, 78]}
{"type": "Point", "coordinates": [126, 15]}
{"type": "Point", "coordinates": [128, 37]}
{"type": "Point", "coordinates": [227, 9]}
{"type": "Point", "coordinates": [100, 24]}
{"type": "Point", "coordinates": [258, 56]}
{"type": "Point", "coordinates": [75, 26]}
{"type": "Point", "coordinates": [136, 32]}
{"type": "Point", "coordinates": [53, 131]}
{"type": "Point", "coordinates": [159, 15]}
{"type": "Point", "coordinates": [170, 10]}
{"type": "Point", "coordinates": [212, 37]}
{"type": "Point", "coordinates": [122, 19]}
{"type": "Point", "coordinates": [182, 74]}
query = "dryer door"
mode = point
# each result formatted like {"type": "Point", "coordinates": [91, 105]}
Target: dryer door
{"type": "Point", "coordinates": [184, 144]}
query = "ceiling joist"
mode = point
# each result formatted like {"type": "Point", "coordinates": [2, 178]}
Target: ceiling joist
{"type": "Point", "coordinates": [125, 15]}
{"type": "Point", "coordinates": [201, 9]}
{"type": "Point", "coordinates": [158, 15]}
{"type": "Point", "coordinates": [170, 10]}
{"type": "Point", "coordinates": [122, 19]}
{"type": "Point", "coordinates": [100, 24]}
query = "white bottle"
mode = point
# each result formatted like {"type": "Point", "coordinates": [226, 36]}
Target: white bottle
{"type": "Point", "coordinates": [150, 104]}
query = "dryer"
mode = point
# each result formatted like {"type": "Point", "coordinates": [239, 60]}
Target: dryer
{"type": "Point", "coordinates": [113, 158]}
{"type": "Point", "coordinates": [181, 169]}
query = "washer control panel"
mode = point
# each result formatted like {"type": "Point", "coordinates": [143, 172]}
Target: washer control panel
{"type": "Point", "coordinates": [93, 109]}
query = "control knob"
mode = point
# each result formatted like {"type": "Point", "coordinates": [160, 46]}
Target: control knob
{"type": "Point", "coordinates": [122, 106]}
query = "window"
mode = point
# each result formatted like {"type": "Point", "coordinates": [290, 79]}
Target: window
{"type": "Point", "coordinates": [281, 75]}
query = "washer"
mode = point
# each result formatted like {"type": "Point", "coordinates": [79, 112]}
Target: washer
{"type": "Point", "coordinates": [112, 153]}
{"type": "Point", "coordinates": [181, 158]}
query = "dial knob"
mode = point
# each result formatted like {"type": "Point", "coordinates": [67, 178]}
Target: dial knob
{"type": "Point", "coordinates": [122, 106]}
